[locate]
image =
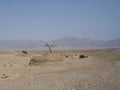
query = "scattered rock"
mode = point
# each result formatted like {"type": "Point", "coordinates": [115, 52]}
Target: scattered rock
{"type": "Point", "coordinates": [4, 76]}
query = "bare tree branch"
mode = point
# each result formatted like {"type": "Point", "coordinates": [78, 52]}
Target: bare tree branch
{"type": "Point", "coordinates": [50, 46]}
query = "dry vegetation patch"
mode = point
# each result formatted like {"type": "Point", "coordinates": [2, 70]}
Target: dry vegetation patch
{"type": "Point", "coordinates": [36, 60]}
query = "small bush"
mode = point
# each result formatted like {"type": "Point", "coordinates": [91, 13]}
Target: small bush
{"type": "Point", "coordinates": [66, 56]}
{"type": "Point", "coordinates": [25, 52]}
{"type": "Point", "coordinates": [83, 56]}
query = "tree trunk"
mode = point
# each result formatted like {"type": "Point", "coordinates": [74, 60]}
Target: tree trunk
{"type": "Point", "coordinates": [50, 49]}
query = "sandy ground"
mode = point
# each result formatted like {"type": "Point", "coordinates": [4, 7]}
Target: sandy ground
{"type": "Point", "coordinates": [100, 71]}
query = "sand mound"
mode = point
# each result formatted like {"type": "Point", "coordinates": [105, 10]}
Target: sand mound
{"type": "Point", "coordinates": [36, 60]}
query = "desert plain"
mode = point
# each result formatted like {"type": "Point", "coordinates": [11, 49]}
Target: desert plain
{"type": "Point", "coordinates": [60, 70]}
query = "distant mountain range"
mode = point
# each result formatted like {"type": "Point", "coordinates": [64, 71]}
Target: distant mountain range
{"type": "Point", "coordinates": [63, 43]}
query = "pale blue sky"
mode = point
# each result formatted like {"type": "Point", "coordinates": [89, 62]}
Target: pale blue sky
{"type": "Point", "coordinates": [53, 19]}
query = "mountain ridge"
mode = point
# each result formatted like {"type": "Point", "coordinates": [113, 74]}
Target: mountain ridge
{"type": "Point", "coordinates": [71, 42]}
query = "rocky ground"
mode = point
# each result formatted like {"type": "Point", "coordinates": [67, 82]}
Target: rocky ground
{"type": "Point", "coordinates": [99, 71]}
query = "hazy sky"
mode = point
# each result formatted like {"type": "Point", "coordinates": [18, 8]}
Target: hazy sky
{"type": "Point", "coordinates": [53, 19]}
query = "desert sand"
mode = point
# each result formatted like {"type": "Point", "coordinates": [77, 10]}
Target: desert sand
{"type": "Point", "coordinates": [61, 70]}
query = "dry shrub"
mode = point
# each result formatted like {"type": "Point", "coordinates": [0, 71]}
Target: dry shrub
{"type": "Point", "coordinates": [83, 56]}
{"type": "Point", "coordinates": [36, 60]}
{"type": "Point", "coordinates": [66, 56]}
{"type": "Point", "coordinates": [24, 52]}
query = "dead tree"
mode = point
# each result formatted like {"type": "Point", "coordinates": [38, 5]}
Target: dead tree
{"type": "Point", "coordinates": [50, 47]}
